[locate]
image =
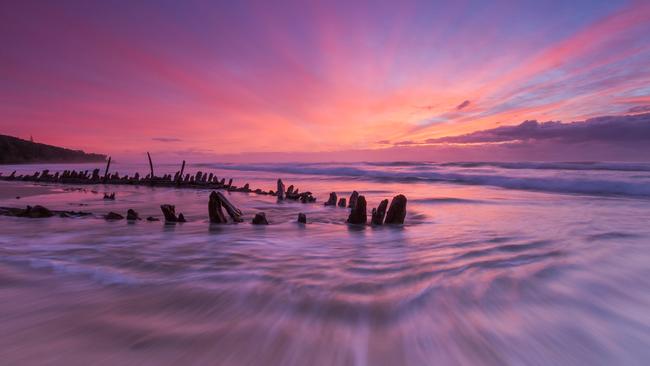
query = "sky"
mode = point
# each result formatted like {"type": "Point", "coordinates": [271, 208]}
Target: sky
{"type": "Point", "coordinates": [324, 80]}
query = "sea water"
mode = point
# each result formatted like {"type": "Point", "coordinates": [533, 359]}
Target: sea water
{"type": "Point", "coordinates": [497, 264]}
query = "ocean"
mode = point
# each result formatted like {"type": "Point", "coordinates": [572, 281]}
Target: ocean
{"type": "Point", "coordinates": [496, 264]}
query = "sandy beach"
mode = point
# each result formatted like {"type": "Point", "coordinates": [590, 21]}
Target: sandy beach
{"type": "Point", "coordinates": [9, 190]}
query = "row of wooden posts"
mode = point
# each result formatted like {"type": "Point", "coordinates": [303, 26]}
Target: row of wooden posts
{"type": "Point", "coordinates": [179, 180]}
{"type": "Point", "coordinates": [358, 214]}
{"type": "Point", "coordinates": [383, 214]}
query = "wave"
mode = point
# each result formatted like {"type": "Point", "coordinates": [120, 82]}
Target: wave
{"type": "Point", "coordinates": [443, 200]}
{"type": "Point", "coordinates": [579, 165]}
{"type": "Point", "coordinates": [588, 186]}
{"type": "Point", "coordinates": [625, 167]}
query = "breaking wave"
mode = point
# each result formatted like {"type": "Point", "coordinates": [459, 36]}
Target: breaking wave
{"type": "Point", "coordinates": [588, 184]}
{"type": "Point", "coordinates": [624, 167]}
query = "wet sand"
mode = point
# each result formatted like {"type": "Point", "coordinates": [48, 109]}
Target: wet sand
{"type": "Point", "coordinates": [10, 190]}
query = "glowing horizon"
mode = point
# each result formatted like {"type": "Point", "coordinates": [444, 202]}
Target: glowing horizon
{"type": "Point", "coordinates": [207, 78]}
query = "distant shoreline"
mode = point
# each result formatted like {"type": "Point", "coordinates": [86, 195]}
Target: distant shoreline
{"type": "Point", "coordinates": [18, 151]}
{"type": "Point", "coordinates": [52, 162]}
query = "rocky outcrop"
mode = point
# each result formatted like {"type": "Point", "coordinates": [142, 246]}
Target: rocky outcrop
{"type": "Point", "coordinates": [109, 196]}
{"type": "Point", "coordinates": [302, 218]}
{"type": "Point", "coordinates": [358, 214]}
{"type": "Point", "coordinates": [397, 211]}
{"type": "Point", "coordinates": [342, 202]}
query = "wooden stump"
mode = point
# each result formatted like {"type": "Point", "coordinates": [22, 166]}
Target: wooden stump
{"type": "Point", "coordinates": [280, 191]}
{"type": "Point", "coordinates": [397, 211]}
{"type": "Point", "coordinates": [217, 201]}
{"type": "Point", "coordinates": [332, 200]}
{"type": "Point", "coordinates": [379, 213]}
{"type": "Point", "coordinates": [113, 216]}
{"type": "Point", "coordinates": [358, 215]}
{"type": "Point", "coordinates": [214, 209]}
{"type": "Point", "coordinates": [169, 211]}
{"type": "Point", "coordinates": [260, 219]}
{"type": "Point", "coordinates": [131, 215]}
{"type": "Point", "coordinates": [353, 199]}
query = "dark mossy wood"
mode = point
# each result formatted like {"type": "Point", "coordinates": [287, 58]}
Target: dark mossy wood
{"type": "Point", "coordinates": [260, 219]}
{"type": "Point", "coordinates": [397, 211]}
{"type": "Point", "coordinates": [379, 213]}
{"type": "Point", "coordinates": [332, 200]}
{"type": "Point", "coordinates": [358, 214]}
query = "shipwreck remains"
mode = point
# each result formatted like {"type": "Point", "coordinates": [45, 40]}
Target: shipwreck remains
{"type": "Point", "coordinates": [201, 180]}
{"type": "Point", "coordinates": [131, 215]}
{"type": "Point", "coordinates": [260, 219]}
{"type": "Point", "coordinates": [397, 211]}
{"type": "Point", "coordinates": [358, 214]}
{"type": "Point", "coordinates": [218, 201]}
{"type": "Point", "coordinates": [332, 200]}
{"type": "Point", "coordinates": [113, 216]}
{"type": "Point", "coordinates": [379, 213]}
{"type": "Point", "coordinates": [169, 211]}
{"type": "Point", "coordinates": [37, 211]}
{"type": "Point", "coordinates": [383, 214]}
{"type": "Point", "coordinates": [353, 199]}
{"type": "Point", "coordinates": [280, 191]}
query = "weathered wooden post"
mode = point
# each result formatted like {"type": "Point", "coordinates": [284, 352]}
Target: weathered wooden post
{"type": "Point", "coordinates": [260, 219]}
{"type": "Point", "coordinates": [332, 200]}
{"type": "Point", "coordinates": [353, 199]}
{"type": "Point", "coordinates": [214, 209]}
{"type": "Point", "coordinates": [379, 213]}
{"type": "Point", "coordinates": [280, 190]}
{"type": "Point", "coordinates": [216, 202]}
{"type": "Point", "coordinates": [180, 176]}
{"type": "Point", "coordinates": [150, 166]}
{"type": "Point", "coordinates": [108, 165]}
{"type": "Point", "coordinates": [396, 211]}
{"type": "Point", "coordinates": [358, 213]}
